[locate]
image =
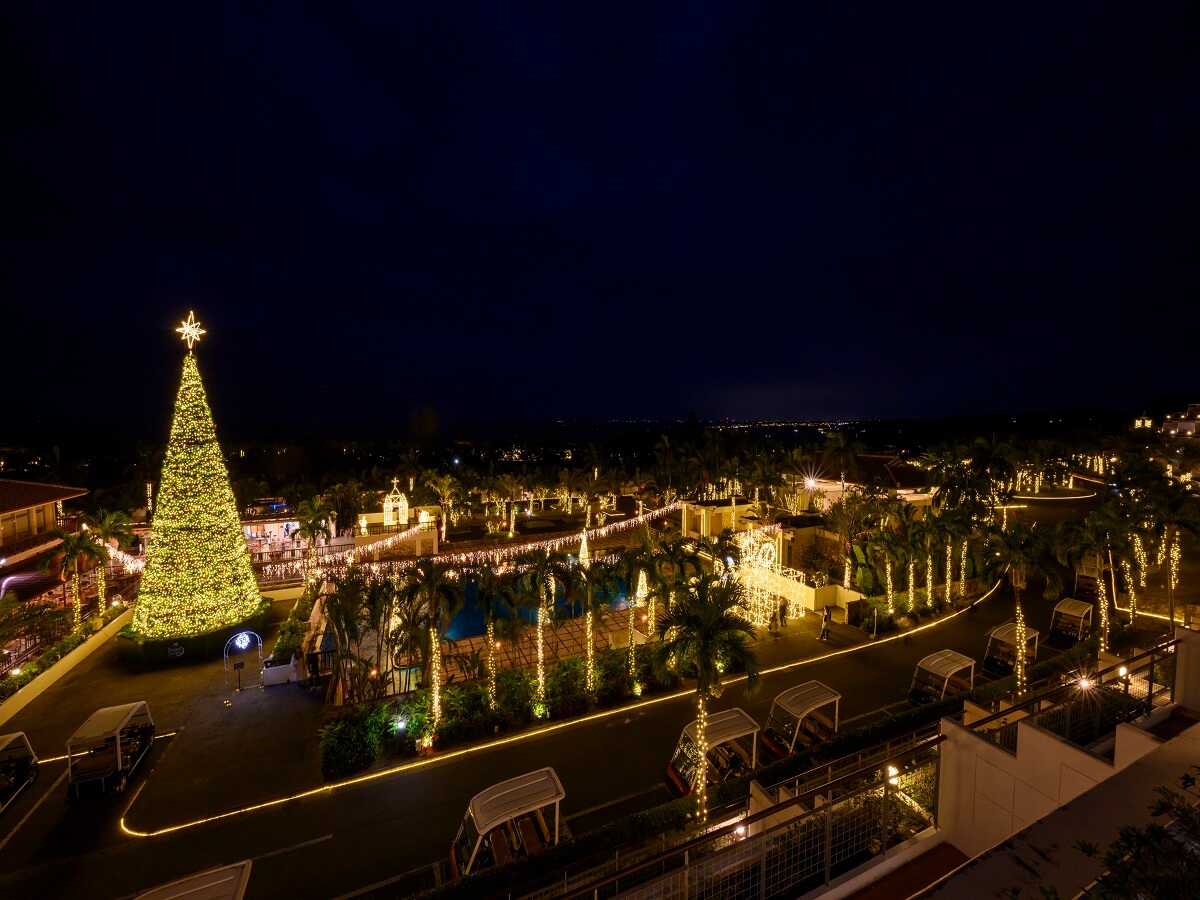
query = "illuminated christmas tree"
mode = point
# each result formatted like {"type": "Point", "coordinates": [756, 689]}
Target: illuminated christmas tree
{"type": "Point", "coordinates": [198, 577]}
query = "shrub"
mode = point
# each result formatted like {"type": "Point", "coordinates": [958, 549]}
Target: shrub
{"type": "Point", "coordinates": [514, 696]}
{"type": "Point", "coordinates": [566, 687]}
{"type": "Point", "coordinates": [289, 639]}
{"type": "Point", "coordinates": [351, 742]}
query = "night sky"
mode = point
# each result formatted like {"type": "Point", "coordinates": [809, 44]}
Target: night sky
{"type": "Point", "coordinates": [537, 212]}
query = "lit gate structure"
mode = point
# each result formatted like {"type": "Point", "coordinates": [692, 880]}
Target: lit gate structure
{"type": "Point", "coordinates": [766, 581]}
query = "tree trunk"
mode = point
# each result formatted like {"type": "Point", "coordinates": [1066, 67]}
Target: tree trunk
{"type": "Point", "coordinates": [701, 777]}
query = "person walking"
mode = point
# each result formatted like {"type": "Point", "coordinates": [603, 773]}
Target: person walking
{"type": "Point", "coordinates": [783, 609]}
{"type": "Point", "coordinates": [826, 617]}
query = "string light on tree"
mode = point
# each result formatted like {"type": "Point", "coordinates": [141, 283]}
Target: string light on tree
{"type": "Point", "coordinates": [198, 577]}
{"type": "Point", "coordinates": [962, 571]}
{"type": "Point", "coordinates": [1103, 587]}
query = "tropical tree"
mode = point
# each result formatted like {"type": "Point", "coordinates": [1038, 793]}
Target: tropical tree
{"type": "Point", "coordinates": [848, 516]}
{"type": "Point", "coordinates": [840, 454]}
{"type": "Point", "coordinates": [927, 537]}
{"type": "Point", "coordinates": [592, 586]}
{"type": "Point", "coordinates": [446, 488]}
{"type": "Point", "coordinates": [493, 584]}
{"type": "Point", "coordinates": [1173, 509]}
{"type": "Point", "coordinates": [542, 572]}
{"type": "Point", "coordinates": [435, 587]}
{"type": "Point", "coordinates": [64, 559]}
{"type": "Point", "coordinates": [112, 530]}
{"type": "Point", "coordinates": [1014, 555]}
{"type": "Point", "coordinates": [1102, 537]}
{"type": "Point", "coordinates": [314, 522]}
{"type": "Point", "coordinates": [886, 549]}
{"type": "Point", "coordinates": [707, 637]}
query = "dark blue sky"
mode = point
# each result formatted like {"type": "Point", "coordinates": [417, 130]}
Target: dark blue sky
{"type": "Point", "coordinates": [555, 210]}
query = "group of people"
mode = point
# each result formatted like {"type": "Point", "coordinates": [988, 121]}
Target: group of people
{"type": "Point", "coordinates": [779, 619]}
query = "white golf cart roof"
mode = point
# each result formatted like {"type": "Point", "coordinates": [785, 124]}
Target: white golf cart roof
{"type": "Point", "coordinates": [107, 722]}
{"type": "Point", "coordinates": [804, 698]}
{"type": "Point", "coordinates": [1080, 608]}
{"type": "Point", "coordinates": [724, 726]}
{"type": "Point", "coordinates": [6, 739]}
{"type": "Point", "coordinates": [1007, 634]}
{"type": "Point", "coordinates": [945, 663]}
{"type": "Point", "coordinates": [515, 797]}
{"type": "Point", "coordinates": [226, 883]}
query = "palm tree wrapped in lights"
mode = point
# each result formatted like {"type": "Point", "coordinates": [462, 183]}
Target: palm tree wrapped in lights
{"type": "Point", "coordinates": [709, 637]}
{"type": "Point", "coordinates": [63, 561]}
{"type": "Point", "coordinates": [435, 587]}
{"type": "Point", "coordinates": [1016, 554]}
{"type": "Point", "coordinates": [592, 586]}
{"type": "Point", "coordinates": [542, 572]}
{"type": "Point", "coordinates": [110, 530]}
{"type": "Point", "coordinates": [493, 584]}
{"type": "Point", "coordinates": [314, 516]}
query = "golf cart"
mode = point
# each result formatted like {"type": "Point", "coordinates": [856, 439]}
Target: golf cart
{"type": "Point", "coordinates": [1071, 622]}
{"type": "Point", "coordinates": [732, 750]}
{"type": "Point", "coordinates": [942, 674]}
{"type": "Point", "coordinates": [801, 715]}
{"type": "Point", "coordinates": [108, 747]}
{"type": "Point", "coordinates": [507, 821]}
{"type": "Point", "coordinates": [1001, 656]}
{"type": "Point", "coordinates": [18, 767]}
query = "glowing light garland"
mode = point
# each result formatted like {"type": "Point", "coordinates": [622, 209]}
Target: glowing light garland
{"type": "Point", "coordinates": [1103, 612]}
{"type": "Point", "coordinates": [891, 597]}
{"type": "Point", "coordinates": [701, 778]}
{"type": "Point", "coordinates": [949, 570]}
{"type": "Point", "coordinates": [198, 577]}
{"type": "Point", "coordinates": [929, 577]}
{"type": "Point", "coordinates": [962, 571]}
{"type": "Point", "coordinates": [1020, 651]}
{"type": "Point", "coordinates": [1125, 568]}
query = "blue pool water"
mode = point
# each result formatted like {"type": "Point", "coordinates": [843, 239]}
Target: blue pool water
{"type": "Point", "coordinates": [469, 621]}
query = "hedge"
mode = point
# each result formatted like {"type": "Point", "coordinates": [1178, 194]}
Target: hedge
{"type": "Point", "coordinates": [32, 670]}
{"type": "Point", "coordinates": [630, 828]}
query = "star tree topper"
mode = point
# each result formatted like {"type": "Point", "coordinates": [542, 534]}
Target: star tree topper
{"type": "Point", "coordinates": [190, 330]}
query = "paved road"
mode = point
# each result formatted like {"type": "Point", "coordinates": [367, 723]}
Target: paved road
{"type": "Point", "coordinates": [336, 842]}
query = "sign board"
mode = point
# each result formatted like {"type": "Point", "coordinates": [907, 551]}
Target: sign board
{"type": "Point", "coordinates": [239, 665]}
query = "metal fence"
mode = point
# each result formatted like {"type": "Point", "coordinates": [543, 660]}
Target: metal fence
{"type": "Point", "coordinates": [796, 846]}
{"type": "Point", "coordinates": [1088, 709]}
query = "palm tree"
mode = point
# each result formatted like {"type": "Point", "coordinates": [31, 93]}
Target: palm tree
{"type": "Point", "coordinates": [435, 587]}
{"type": "Point", "coordinates": [847, 517]}
{"type": "Point", "coordinates": [64, 560]}
{"type": "Point", "coordinates": [592, 586]}
{"type": "Point", "coordinates": [841, 454]}
{"type": "Point", "coordinates": [1016, 554]}
{"type": "Point", "coordinates": [446, 487]}
{"type": "Point", "coordinates": [542, 571]}
{"type": "Point", "coordinates": [111, 530]}
{"type": "Point", "coordinates": [493, 584]}
{"type": "Point", "coordinates": [509, 487]}
{"type": "Point", "coordinates": [632, 565]}
{"type": "Point", "coordinates": [927, 536]}
{"type": "Point", "coordinates": [1172, 510]}
{"type": "Point", "coordinates": [884, 546]}
{"type": "Point", "coordinates": [709, 637]}
{"type": "Point", "coordinates": [1097, 537]}
{"type": "Point", "coordinates": [313, 516]}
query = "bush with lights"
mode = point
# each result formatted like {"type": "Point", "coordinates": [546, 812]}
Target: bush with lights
{"type": "Point", "coordinates": [198, 577]}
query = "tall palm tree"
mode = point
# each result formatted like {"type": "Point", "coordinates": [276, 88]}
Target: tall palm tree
{"type": "Point", "coordinates": [111, 530]}
{"type": "Point", "coordinates": [542, 571]}
{"type": "Point", "coordinates": [885, 548]}
{"type": "Point", "coordinates": [707, 637]}
{"type": "Point", "coordinates": [1102, 537]}
{"type": "Point", "coordinates": [1016, 554]}
{"type": "Point", "coordinates": [446, 488]}
{"type": "Point", "coordinates": [841, 454]}
{"type": "Point", "coordinates": [927, 536]}
{"type": "Point", "coordinates": [64, 559]}
{"type": "Point", "coordinates": [632, 564]}
{"type": "Point", "coordinates": [593, 587]}
{"type": "Point", "coordinates": [848, 517]}
{"type": "Point", "coordinates": [1173, 509]}
{"type": "Point", "coordinates": [436, 587]}
{"type": "Point", "coordinates": [314, 517]}
{"type": "Point", "coordinates": [493, 584]}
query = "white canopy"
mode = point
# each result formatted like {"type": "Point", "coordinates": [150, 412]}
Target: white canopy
{"type": "Point", "coordinates": [724, 726]}
{"type": "Point", "coordinates": [804, 698]}
{"type": "Point", "coordinates": [1008, 634]}
{"type": "Point", "coordinates": [945, 663]}
{"type": "Point", "coordinates": [6, 739]}
{"type": "Point", "coordinates": [1080, 608]}
{"type": "Point", "coordinates": [225, 883]}
{"type": "Point", "coordinates": [515, 797]}
{"type": "Point", "coordinates": [107, 722]}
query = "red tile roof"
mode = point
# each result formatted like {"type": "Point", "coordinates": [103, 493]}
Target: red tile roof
{"type": "Point", "coordinates": [18, 495]}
